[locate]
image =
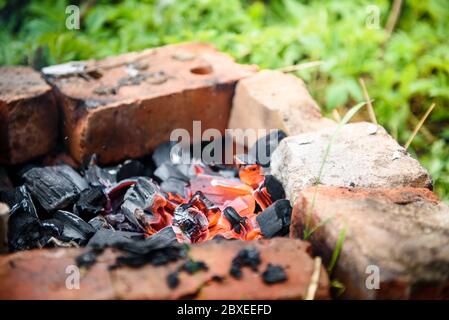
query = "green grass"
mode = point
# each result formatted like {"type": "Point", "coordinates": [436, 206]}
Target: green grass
{"type": "Point", "coordinates": [404, 73]}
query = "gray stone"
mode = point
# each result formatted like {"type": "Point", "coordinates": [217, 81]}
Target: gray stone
{"type": "Point", "coordinates": [359, 157]}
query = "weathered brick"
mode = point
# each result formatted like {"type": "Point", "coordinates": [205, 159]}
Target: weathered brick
{"type": "Point", "coordinates": [124, 106]}
{"type": "Point", "coordinates": [41, 274]}
{"type": "Point", "coordinates": [362, 155]}
{"type": "Point", "coordinates": [403, 232]}
{"type": "Point", "coordinates": [28, 115]}
{"type": "Point", "coordinates": [274, 100]}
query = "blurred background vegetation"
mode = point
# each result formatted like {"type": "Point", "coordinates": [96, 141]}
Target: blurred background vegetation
{"type": "Point", "coordinates": [404, 72]}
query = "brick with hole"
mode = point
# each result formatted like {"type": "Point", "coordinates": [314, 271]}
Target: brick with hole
{"type": "Point", "coordinates": [395, 240]}
{"type": "Point", "coordinates": [28, 115]}
{"type": "Point", "coordinates": [124, 106]}
{"type": "Point", "coordinates": [274, 100]}
{"type": "Point", "coordinates": [361, 155]}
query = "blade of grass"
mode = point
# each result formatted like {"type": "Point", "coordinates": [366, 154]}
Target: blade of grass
{"type": "Point", "coordinates": [337, 250]}
{"type": "Point", "coordinates": [346, 118]}
{"type": "Point", "coordinates": [301, 66]}
{"type": "Point", "coordinates": [371, 113]}
{"type": "Point", "coordinates": [420, 123]}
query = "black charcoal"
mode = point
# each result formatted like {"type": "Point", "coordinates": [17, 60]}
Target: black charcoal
{"type": "Point", "coordinates": [54, 187]}
{"type": "Point", "coordinates": [234, 218]}
{"type": "Point", "coordinates": [274, 274]}
{"type": "Point", "coordinates": [249, 257]}
{"type": "Point", "coordinates": [90, 203]}
{"type": "Point", "coordinates": [75, 228]}
{"type": "Point", "coordinates": [132, 169]}
{"type": "Point", "coordinates": [164, 238]}
{"type": "Point", "coordinates": [138, 198]}
{"type": "Point", "coordinates": [100, 222]}
{"type": "Point", "coordinates": [190, 223]}
{"type": "Point", "coordinates": [25, 230]}
{"type": "Point", "coordinates": [110, 238]}
{"type": "Point", "coordinates": [88, 258]}
{"type": "Point", "coordinates": [192, 267]}
{"type": "Point", "coordinates": [173, 280]}
{"type": "Point", "coordinates": [263, 148]}
{"type": "Point", "coordinates": [274, 188]}
{"type": "Point", "coordinates": [275, 220]}
{"type": "Point", "coordinates": [97, 176]}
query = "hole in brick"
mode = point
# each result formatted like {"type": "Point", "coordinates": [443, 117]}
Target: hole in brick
{"type": "Point", "coordinates": [202, 70]}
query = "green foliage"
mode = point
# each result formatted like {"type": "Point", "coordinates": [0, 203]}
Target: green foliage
{"type": "Point", "coordinates": [404, 73]}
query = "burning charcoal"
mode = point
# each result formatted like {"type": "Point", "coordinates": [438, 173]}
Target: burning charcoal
{"type": "Point", "coordinates": [235, 219]}
{"type": "Point", "coordinates": [138, 198]}
{"type": "Point", "coordinates": [91, 203]}
{"type": "Point", "coordinates": [192, 267]}
{"type": "Point", "coordinates": [25, 230]}
{"type": "Point", "coordinates": [249, 257]}
{"type": "Point", "coordinates": [274, 274]}
{"type": "Point", "coordinates": [162, 153]}
{"type": "Point", "coordinates": [275, 220]}
{"type": "Point", "coordinates": [54, 187]}
{"type": "Point", "coordinates": [169, 170]}
{"type": "Point", "coordinates": [175, 186]}
{"type": "Point", "coordinates": [110, 238]}
{"type": "Point", "coordinates": [88, 258]}
{"type": "Point", "coordinates": [274, 188]}
{"type": "Point", "coordinates": [251, 174]}
{"type": "Point", "coordinates": [75, 228]}
{"type": "Point", "coordinates": [173, 280]}
{"type": "Point", "coordinates": [263, 148]}
{"type": "Point", "coordinates": [100, 222]}
{"type": "Point", "coordinates": [130, 169]}
{"type": "Point", "coordinates": [190, 224]}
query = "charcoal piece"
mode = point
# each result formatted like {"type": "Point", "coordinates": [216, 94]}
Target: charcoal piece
{"type": "Point", "coordinates": [217, 278]}
{"type": "Point", "coordinates": [173, 280]}
{"type": "Point", "coordinates": [138, 198]}
{"type": "Point", "coordinates": [164, 238]}
{"type": "Point", "coordinates": [275, 220]}
{"type": "Point", "coordinates": [175, 186]}
{"type": "Point", "coordinates": [169, 170]}
{"type": "Point", "coordinates": [54, 187]}
{"type": "Point", "coordinates": [192, 267]}
{"type": "Point", "coordinates": [88, 258]}
{"type": "Point", "coordinates": [131, 169]}
{"type": "Point", "coordinates": [97, 176]}
{"type": "Point", "coordinates": [162, 153]}
{"type": "Point", "coordinates": [91, 202]}
{"type": "Point", "coordinates": [263, 148]}
{"type": "Point", "coordinates": [190, 223]}
{"type": "Point", "coordinates": [235, 219]}
{"type": "Point", "coordinates": [157, 256]}
{"type": "Point", "coordinates": [25, 230]}
{"type": "Point", "coordinates": [110, 238]}
{"type": "Point", "coordinates": [274, 188]}
{"type": "Point", "coordinates": [247, 257]}
{"type": "Point", "coordinates": [75, 228]}
{"type": "Point", "coordinates": [100, 222]}
{"type": "Point", "coordinates": [274, 274]}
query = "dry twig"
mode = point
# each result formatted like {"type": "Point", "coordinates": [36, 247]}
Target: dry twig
{"type": "Point", "coordinates": [420, 123]}
{"type": "Point", "coordinates": [372, 115]}
{"type": "Point", "coordinates": [314, 280]}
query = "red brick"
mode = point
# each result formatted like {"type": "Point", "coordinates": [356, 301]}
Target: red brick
{"type": "Point", "coordinates": [40, 274]}
{"type": "Point", "coordinates": [28, 115]}
{"type": "Point", "coordinates": [197, 84]}
{"type": "Point", "coordinates": [275, 100]}
{"type": "Point", "coordinates": [402, 231]}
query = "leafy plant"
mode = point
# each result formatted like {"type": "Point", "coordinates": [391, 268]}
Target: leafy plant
{"type": "Point", "coordinates": [404, 72]}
